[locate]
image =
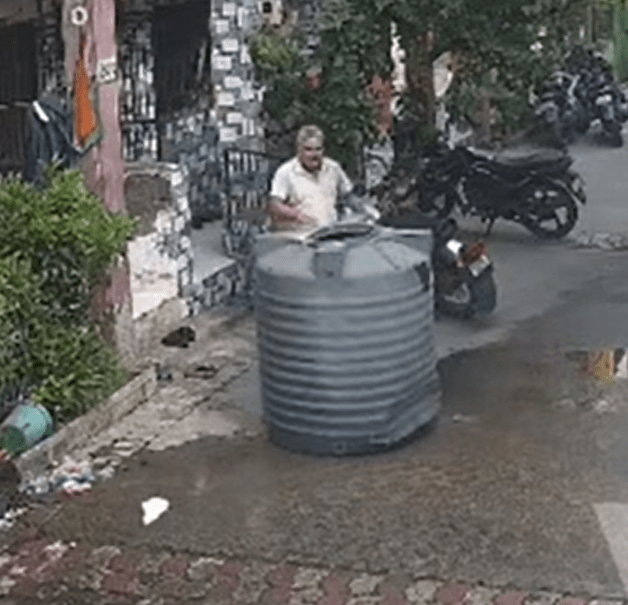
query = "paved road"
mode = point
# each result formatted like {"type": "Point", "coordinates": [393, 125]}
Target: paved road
{"type": "Point", "coordinates": [532, 275]}
{"type": "Point", "coordinates": [523, 483]}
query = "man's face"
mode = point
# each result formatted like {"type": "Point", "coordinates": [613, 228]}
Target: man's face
{"type": "Point", "coordinates": [311, 154]}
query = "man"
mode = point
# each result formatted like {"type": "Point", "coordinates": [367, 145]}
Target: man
{"type": "Point", "coordinates": [307, 189]}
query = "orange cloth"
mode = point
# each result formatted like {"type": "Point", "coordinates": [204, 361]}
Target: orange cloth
{"type": "Point", "coordinates": [86, 123]}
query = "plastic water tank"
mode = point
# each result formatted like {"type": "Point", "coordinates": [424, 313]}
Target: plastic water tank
{"type": "Point", "coordinates": [345, 337]}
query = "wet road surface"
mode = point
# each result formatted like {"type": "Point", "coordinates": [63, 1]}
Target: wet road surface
{"type": "Point", "coordinates": [505, 489]}
{"type": "Point", "coordinates": [502, 490]}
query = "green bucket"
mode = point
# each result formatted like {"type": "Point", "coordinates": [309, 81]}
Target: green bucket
{"type": "Point", "coordinates": [24, 427]}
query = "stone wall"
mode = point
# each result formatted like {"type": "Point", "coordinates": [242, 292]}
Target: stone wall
{"type": "Point", "coordinates": [160, 257]}
{"type": "Point", "coordinates": [226, 285]}
{"type": "Point", "coordinates": [193, 137]}
{"type": "Point", "coordinates": [237, 99]}
{"type": "Point", "coordinates": [190, 139]}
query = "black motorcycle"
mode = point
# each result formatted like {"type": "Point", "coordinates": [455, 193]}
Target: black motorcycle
{"type": "Point", "coordinates": [464, 281]}
{"type": "Point", "coordinates": [534, 187]}
{"type": "Point", "coordinates": [560, 107]}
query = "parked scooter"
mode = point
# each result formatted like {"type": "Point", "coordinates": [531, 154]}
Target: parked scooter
{"type": "Point", "coordinates": [534, 187]}
{"type": "Point", "coordinates": [464, 281]}
{"type": "Point", "coordinates": [607, 111]}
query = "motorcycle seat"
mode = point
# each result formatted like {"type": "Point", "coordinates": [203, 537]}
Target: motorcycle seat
{"type": "Point", "coordinates": [530, 158]}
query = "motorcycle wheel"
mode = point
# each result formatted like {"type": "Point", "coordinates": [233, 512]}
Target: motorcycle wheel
{"type": "Point", "coordinates": [476, 297]}
{"type": "Point", "coordinates": [552, 215]}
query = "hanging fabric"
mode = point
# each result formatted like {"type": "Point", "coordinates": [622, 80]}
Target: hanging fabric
{"type": "Point", "coordinates": [86, 121]}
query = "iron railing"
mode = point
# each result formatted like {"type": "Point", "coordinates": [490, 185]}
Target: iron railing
{"type": "Point", "coordinates": [246, 177]}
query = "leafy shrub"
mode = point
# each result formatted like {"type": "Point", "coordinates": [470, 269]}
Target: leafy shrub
{"type": "Point", "coordinates": [54, 245]}
{"type": "Point", "coordinates": [67, 235]}
{"type": "Point", "coordinates": [83, 376]}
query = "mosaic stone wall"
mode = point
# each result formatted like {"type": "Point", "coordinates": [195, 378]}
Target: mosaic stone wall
{"type": "Point", "coordinates": [194, 137]}
{"type": "Point", "coordinates": [161, 256]}
{"type": "Point", "coordinates": [226, 286]}
{"type": "Point", "coordinates": [190, 139]}
{"type": "Point", "coordinates": [237, 99]}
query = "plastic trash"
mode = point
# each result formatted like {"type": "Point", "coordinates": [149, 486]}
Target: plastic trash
{"type": "Point", "coordinates": [153, 509]}
{"type": "Point", "coordinates": [27, 424]}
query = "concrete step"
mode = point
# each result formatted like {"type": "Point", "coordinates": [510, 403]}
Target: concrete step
{"type": "Point", "coordinates": [218, 280]}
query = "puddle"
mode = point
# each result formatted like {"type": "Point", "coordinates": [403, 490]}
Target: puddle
{"type": "Point", "coordinates": [604, 365]}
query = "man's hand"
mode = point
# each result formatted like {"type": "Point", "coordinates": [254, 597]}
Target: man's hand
{"type": "Point", "coordinates": [352, 201]}
{"type": "Point", "coordinates": [283, 214]}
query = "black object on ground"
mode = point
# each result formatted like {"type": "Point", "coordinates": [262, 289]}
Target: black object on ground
{"type": "Point", "coordinates": [180, 337]}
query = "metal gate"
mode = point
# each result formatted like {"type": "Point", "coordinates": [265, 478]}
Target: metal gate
{"type": "Point", "coordinates": [18, 88]}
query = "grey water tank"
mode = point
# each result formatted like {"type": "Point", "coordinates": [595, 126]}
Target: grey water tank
{"type": "Point", "coordinates": [345, 337]}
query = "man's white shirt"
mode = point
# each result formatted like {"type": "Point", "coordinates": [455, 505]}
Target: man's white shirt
{"type": "Point", "coordinates": [314, 194]}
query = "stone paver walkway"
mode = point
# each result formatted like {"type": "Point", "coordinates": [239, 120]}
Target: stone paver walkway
{"type": "Point", "coordinates": [37, 571]}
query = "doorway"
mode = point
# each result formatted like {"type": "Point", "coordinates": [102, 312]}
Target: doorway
{"type": "Point", "coordinates": [18, 89]}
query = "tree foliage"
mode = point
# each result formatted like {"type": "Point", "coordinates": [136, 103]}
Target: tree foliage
{"type": "Point", "coordinates": [502, 49]}
{"type": "Point", "coordinates": [354, 46]}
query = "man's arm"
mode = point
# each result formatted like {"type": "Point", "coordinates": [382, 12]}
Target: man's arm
{"type": "Point", "coordinates": [349, 197]}
{"type": "Point", "coordinates": [280, 212]}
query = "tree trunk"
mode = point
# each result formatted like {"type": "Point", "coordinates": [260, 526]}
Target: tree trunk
{"type": "Point", "coordinates": [420, 76]}
{"type": "Point", "coordinates": [485, 118]}
{"type": "Point", "coordinates": [620, 26]}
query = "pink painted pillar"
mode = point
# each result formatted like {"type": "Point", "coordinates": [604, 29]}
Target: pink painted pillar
{"type": "Point", "coordinates": [105, 170]}
{"type": "Point", "coordinates": [108, 169]}
{"type": "Point", "coordinates": [103, 166]}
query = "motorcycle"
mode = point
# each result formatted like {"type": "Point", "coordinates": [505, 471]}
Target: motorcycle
{"type": "Point", "coordinates": [560, 107]}
{"type": "Point", "coordinates": [464, 281]}
{"type": "Point", "coordinates": [534, 187]}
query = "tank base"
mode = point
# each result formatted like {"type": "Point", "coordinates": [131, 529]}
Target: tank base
{"type": "Point", "coordinates": [301, 443]}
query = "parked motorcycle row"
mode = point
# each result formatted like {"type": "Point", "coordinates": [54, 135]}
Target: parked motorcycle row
{"type": "Point", "coordinates": [586, 91]}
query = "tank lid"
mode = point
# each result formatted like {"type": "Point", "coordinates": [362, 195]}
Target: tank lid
{"type": "Point", "coordinates": [342, 252]}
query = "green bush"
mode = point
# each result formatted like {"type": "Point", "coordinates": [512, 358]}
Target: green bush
{"type": "Point", "coordinates": [54, 245]}
{"type": "Point", "coordinates": [67, 235]}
